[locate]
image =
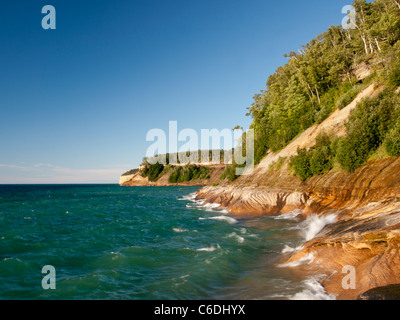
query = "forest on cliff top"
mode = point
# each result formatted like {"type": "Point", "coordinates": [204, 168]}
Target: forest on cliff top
{"type": "Point", "coordinates": [321, 77]}
{"type": "Point", "coordinates": [309, 87]}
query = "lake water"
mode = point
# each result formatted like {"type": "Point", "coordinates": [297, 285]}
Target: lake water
{"type": "Point", "coordinates": [112, 242]}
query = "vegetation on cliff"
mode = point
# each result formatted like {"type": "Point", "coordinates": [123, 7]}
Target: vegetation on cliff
{"type": "Point", "coordinates": [322, 77]}
{"type": "Point", "coordinates": [374, 123]}
{"type": "Point", "coordinates": [177, 174]}
{"type": "Point", "coordinates": [188, 173]}
{"type": "Point", "coordinates": [130, 172]}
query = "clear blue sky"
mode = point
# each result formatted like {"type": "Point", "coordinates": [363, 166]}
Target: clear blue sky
{"type": "Point", "coordinates": [76, 102]}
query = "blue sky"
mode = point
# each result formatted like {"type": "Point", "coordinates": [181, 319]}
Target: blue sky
{"type": "Point", "coordinates": [76, 102]}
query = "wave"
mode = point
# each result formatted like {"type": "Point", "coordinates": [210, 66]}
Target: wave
{"type": "Point", "coordinates": [179, 230]}
{"type": "Point", "coordinates": [310, 228]}
{"type": "Point", "coordinates": [209, 249]}
{"type": "Point", "coordinates": [314, 224]}
{"type": "Point", "coordinates": [313, 291]}
{"type": "Point", "coordinates": [200, 204]}
{"type": "Point", "coordinates": [228, 219]}
{"type": "Point", "coordinates": [189, 197]}
{"type": "Point", "coordinates": [238, 238]}
{"type": "Point", "coordinates": [211, 205]}
{"type": "Point", "coordinates": [289, 249]}
{"type": "Point", "coordinates": [307, 259]}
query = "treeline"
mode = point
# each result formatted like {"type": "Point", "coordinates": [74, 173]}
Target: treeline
{"type": "Point", "coordinates": [133, 171]}
{"type": "Point", "coordinates": [177, 173]}
{"type": "Point", "coordinates": [154, 170]}
{"type": "Point", "coordinates": [320, 77]}
{"type": "Point", "coordinates": [201, 156]}
{"type": "Point", "coordinates": [188, 173]}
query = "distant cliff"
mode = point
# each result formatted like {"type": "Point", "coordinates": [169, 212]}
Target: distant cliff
{"type": "Point", "coordinates": [137, 179]}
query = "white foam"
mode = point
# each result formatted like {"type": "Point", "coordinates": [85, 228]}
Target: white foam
{"type": "Point", "coordinates": [209, 249]}
{"type": "Point", "coordinates": [307, 259]}
{"type": "Point", "coordinates": [313, 291]}
{"type": "Point", "coordinates": [288, 249]}
{"type": "Point", "coordinates": [224, 211]}
{"type": "Point", "coordinates": [179, 230]}
{"type": "Point", "coordinates": [314, 224]}
{"type": "Point", "coordinates": [211, 205]}
{"type": "Point", "coordinates": [190, 197]}
{"type": "Point", "coordinates": [200, 204]}
{"type": "Point", "coordinates": [228, 219]}
{"type": "Point", "coordinates": [238, 238]}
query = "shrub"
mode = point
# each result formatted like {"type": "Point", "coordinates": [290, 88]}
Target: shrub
{"type": "Point", "coordinates": [229, 173]}
{"type": "Point", "coordinates": [348, 97]}
{"type": "Point", "coordinates": [349, 156]}
{"type": "Point", "coordinates": [392, 141]}
{"type": "Point", "coordinates": [320, 160]}
{"type": "Point", "coordinates": [394, 76]}
{"type": "Point", "coordinates": [128, 173]}
{"type": "Point", "coordinates": [153, 171]}
{"type": "Point", "coordinates": [367, 128]}
{"type": "Point", "coordinates": [188, 173]}
{"type": "Point", "coordinates": [175, 173]}
{"type": "Point", "coordinates": [301, 164]}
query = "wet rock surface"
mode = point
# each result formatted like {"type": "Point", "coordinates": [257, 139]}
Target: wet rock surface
{"type": "Point", "coordinates": [389, 292]}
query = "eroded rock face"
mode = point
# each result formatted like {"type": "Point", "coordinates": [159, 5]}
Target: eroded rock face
{"type": "Point", "coordinates": [281, 192]}
{"type": "Point", "coordinates": [366, 240]}
{"type": "Point", "coordinates": [254, 201]}
{"type": "Point", "coordinates": [366, 235]}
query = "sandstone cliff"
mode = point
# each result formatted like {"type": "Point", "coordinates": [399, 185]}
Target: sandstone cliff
{"type": "Point", "coordinates": [366, 234]}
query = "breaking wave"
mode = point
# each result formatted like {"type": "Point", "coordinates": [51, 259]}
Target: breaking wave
{"type": "Point", "coordinates": [200, 204]}
{"type": "Point", "coordinates": [209, 249]}
{"type": "Point", "coordinates": [313, 291]}
{"type": "Point", "coordinates": [228, 219]}
{"type": "Point", "coordinates": [314, 224]}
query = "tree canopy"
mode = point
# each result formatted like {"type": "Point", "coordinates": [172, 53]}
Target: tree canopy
{"type": "Point", "coordinates": [315, 80]}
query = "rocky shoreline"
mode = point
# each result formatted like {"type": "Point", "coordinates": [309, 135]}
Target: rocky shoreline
{"type": "Point", "coordinates": [365, 236]}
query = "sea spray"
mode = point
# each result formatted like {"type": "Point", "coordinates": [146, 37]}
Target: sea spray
{"type": "Point", "coordinates": [307, 259]}
{"type": "Point", "coordinates": [202, 205]}
{"type": "Point", "coordinates": [314, 224]}
{"type": "Point", "coordinates": [238, 238]}
{"type": "Point", "coordinates": [313, 290]}
{"type": "Point", "coordinates": [227, 219]}
{"type": "Point", "coordinates": [157, 238]}
{"type": "Point", "coordinates": [209, 249]}
{"type": "Point", "coordinates": [310, 228]}
{"type": "Point", "coordinates": [180, 230]}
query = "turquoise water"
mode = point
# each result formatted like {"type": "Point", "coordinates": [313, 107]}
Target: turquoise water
{"type": "Point", "coordinates": [112, 242]}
